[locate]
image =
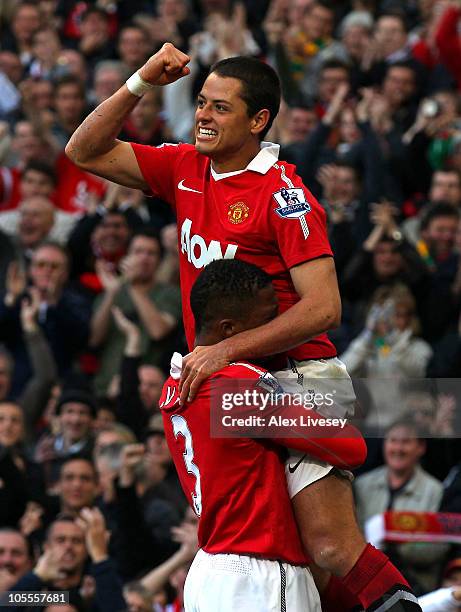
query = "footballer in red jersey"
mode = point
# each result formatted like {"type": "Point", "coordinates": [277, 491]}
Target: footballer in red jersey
{"type": "Point", "coordinates": [235, 109]}
{"type": "Point", "coordinates": [237, 486]}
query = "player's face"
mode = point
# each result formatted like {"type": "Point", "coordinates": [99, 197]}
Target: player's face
{"type": "Point", "coordinates": [223, 129]}
{"type": "Point", "coordinates": [266, 308]}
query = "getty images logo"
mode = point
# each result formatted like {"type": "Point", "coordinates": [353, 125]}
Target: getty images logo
{"type": "Point", "coordinates": [199, 253]}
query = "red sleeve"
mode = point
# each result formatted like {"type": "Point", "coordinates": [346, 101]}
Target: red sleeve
{"type": "Point", "coordinates": [448, 41]}
{"type": "Point", "coordinates": [344, 449]}
{"type": "Point", "coordinates": [300, 228]}
{"type": "Point", "coordinates": [158, 167]}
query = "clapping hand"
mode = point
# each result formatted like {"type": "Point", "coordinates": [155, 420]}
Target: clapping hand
{"type": "Point", "coordinates": [29, 310]}
{"type": "Point", "coordinates": [15, 282]}
{"type": "Point", "coordinates": [92, 523]}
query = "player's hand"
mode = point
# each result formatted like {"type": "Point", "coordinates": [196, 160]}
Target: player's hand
{"type": "Point", "coordinates": [166, 66]}
{"type": "Point", "coordinates": [198, 366]}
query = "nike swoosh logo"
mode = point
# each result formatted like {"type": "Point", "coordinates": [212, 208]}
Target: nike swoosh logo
{"type": "Point", "coordinates": [293, 468]}
{"type": "Point", "coordinates": [182, 187]}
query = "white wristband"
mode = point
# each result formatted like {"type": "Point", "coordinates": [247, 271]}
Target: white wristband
{"type": "Point", "coordinates": [138, 86]}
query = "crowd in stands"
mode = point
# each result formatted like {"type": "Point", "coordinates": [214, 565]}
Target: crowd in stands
{"type": "Point", "coordinates": [90, 308]}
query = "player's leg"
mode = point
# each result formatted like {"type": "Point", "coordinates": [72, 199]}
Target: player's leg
{"type": "Point", "coordinates": [324, 510]}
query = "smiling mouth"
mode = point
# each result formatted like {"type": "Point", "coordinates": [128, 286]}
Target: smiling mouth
{"type": "Point", "coordinates": [206, 133]}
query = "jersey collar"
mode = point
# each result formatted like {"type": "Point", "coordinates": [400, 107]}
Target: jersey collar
{"type": "Point", "coordinates": [262, 163]}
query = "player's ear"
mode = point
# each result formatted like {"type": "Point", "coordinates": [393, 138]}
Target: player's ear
{"type": "Point", "coordinates": [227, 328]}
{"type": "Point", "coordinates": [259, 121]}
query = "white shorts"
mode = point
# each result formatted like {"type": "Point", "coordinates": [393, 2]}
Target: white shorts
{"type": "Point", "coordinates": [331, 376]}
{"type": "Point", "coordinates": [236, 583]}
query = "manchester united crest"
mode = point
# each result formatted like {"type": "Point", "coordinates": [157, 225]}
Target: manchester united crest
{"type": "Point", "coordinates": [238, 212]}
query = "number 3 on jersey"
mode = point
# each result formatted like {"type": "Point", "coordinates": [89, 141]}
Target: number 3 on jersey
{"type": "Point", "coordinates": [180, 428]}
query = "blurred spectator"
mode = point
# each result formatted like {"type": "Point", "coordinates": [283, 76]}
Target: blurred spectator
{"type": "Point", "coordinates": [15, 558]}
{"type": "Point", "coordinates": [296, 46]}
{"type": "Point", "coordinates": [69, 102]}
{"type": "Point", "coordinates": [105, 413]}
{"type": "Point", "coordinates": [145, 124]}
{"type": "Point", "coordinates": [6, 372]}
{"type": "Point", "coordinates": [27, 144]}
{"type": "Point", "coordinates": [10, 77]}
{"type": "Point", "coordinates": [155, 308]}
{"type": "Point", "coordinates": [388, 348]}
{"type": "Point", "coordinates": [140, 385]}
{"type": "Point", "coordinates": [448, 597]}
{"type": "Point", "coordinates": [74, 63]}
{"type": "Point", "coordinates": [436, 247]}
{"type": "Point", "coordinates": [46, 48]}
{"type": "Point", "coordinates": [401, 484]}
{"type": "Point", "coordinates": [63, 313]}
{"type": "Point", "coordinates": [109, 75]}
{"type": "Point", "coordinates": [76, 410]}
{"type": "Point", "coordinates": [133, 47]}
{"type": "Point", "coordinates": [62, 565]}
{"type": "Point", "coordinates": [36, 179]}
{"type": "Point", "coordinates": [95, 43]}
{"type": "Point", "coordinates": [399, 89]}
{"type": "Point", "coordinates": [22, 479]}
{"type": "Point", "coordinates": [78, 485]}
{"type": "Point", "coordinates": [115, 433]}
{"type": "Point", "coordinates": [385, 258]}
{"type": "Point", "coordinates": [31, 224]}
{"type": "Point", "coordinates": [24, 23]}
{"type": "Point", "coordinates": [102, 236]}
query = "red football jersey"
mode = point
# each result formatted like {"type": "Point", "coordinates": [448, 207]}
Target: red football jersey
{"type": "Point", "coordinates": [236, 485]}
{"type": "Point", "coordinates": [263, 215]}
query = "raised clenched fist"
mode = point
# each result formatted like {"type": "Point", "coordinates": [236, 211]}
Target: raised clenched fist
{"type": "Point", "coordinates": [166, 66]}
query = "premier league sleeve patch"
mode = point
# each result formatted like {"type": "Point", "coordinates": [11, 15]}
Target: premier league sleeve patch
{"type": "Point", "coordinates": [293, 205]}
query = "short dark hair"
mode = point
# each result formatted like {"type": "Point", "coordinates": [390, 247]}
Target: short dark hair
{"type": "Point", "coordinates": [95, 10]}
{"type": "Point", "coordinates": [52, 244]}
{"type": "Point", "coordinates": [335, 64]}
{"type": "Point", "coordinates": [78, 457]}
{"type": "Point", "coordinates": [62, 517]}
{"type": "Point", "coordinates": [260, 84]}
{"type": "Point", "coordinates": [408, 422]}
{"type": "Point", "coordinates": [27, 542]}
{"type": "Point", "coordinates": [225, 288]}
{"type": "Point", "coordinates": [69, 79]}
{"type": "Point", "coordinates": [408, 64]}
{"type": "Point", "coordinates": [42, 167]}
{"type": "Point", "coordinates": [396, 13]}
{"type": "Point", "coordinates": [436, 211]}
{"type": "Point", "coordinates": [150, 233]}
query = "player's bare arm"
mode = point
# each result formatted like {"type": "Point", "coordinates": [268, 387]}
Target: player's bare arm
{"type": "Point", "coordinates": [318, 310]}
{"type": "Point", "coordinates": [94, 146]}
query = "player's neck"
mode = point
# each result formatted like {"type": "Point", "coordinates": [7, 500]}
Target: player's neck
{"type": "Point", "coordinates": [236, 162]}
